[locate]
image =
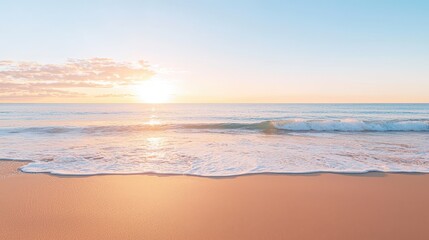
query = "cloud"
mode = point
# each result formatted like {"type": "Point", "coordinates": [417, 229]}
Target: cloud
{"type": "Point", "coordinates": [110, 95]}
{"type": "Point", "coordinates": [70, 79]}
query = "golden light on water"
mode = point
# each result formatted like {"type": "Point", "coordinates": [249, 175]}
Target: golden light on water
{"type": "Point", "coordinates": [154, 91]}
{"type": "Point", "coordinates": [153, 122]}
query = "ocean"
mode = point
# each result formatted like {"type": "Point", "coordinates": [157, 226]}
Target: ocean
{"type": "Point", "coordinates": [215, 139]}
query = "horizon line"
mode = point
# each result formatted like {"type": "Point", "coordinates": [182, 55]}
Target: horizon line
{"type": "Point", "coordinates": [172, 103]}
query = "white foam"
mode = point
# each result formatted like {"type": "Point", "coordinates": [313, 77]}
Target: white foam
{"type": "Point", "coordinates": [221, 154]}
{"type": "Point", "coordinates": [351, 125]}
{"type": "Point", "coordinates": [215, 140]}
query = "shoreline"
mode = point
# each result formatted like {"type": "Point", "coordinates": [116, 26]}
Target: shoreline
{"type": "Point", "coordinates": [260, 206]}
{"type": "Point", "coordinates": [372, 173]}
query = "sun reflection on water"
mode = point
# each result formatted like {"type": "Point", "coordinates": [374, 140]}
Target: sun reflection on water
{"type": "Point", "coordinates": [153, 122]}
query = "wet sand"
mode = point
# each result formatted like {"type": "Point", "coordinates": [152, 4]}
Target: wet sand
{"type": "Point", "coordinates": [268, 206]}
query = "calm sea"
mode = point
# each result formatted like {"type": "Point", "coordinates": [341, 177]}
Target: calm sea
{"type": "Point", "coordinates": [215, 139]}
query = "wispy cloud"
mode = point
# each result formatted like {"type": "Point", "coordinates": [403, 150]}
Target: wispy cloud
{"type": "Point", "coordinates": [70, 79]}
{"type": "Point", "coordinates": [113, 95]}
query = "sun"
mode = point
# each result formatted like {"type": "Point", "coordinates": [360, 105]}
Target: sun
{"type": "Point", "coordinates": [154, 91]}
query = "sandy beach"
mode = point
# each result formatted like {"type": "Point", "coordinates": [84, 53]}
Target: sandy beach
{"type": "Point", "coordinates": [314, 206]}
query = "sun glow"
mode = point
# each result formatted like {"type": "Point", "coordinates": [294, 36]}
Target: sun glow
{"type": "Point", "coordinates": [154, 91]}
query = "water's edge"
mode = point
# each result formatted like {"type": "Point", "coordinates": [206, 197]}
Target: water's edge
{"type": "Point", "coordinates": [370, 173]}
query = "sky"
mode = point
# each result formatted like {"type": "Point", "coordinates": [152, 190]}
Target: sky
{"type": "Point", "coordinates": [214, 51]}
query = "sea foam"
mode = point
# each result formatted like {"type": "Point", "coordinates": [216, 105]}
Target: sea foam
{"type": "Point", "coordinates": [351, 125]}
{"type": "Point", "coordinates": [215, 140]}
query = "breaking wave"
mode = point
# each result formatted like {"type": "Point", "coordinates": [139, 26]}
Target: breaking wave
{"type": "Point", "coordinates": [352, 125]}
{"type": "Point", "coordinates": [290, 125]}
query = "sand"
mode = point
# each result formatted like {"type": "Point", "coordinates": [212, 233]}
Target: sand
{"type": "Point", "coordinates": [270, 206]}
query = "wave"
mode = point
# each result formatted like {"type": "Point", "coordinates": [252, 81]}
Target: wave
{"type": "Point", "coordinates": [352, 125]}
{"type": "Point", "coordinates": [291, 125]}
{"type": "Point", "coordinates": [345, 125]}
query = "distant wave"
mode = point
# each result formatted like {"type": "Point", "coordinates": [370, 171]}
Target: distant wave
{"type": "Point", "coordinates": [291, 125]}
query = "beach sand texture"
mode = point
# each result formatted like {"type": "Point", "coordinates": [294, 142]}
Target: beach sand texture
{"type": "Point", "coordinates": [319, 206]}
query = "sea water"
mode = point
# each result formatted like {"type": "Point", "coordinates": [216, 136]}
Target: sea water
{"type": "Point", "coordinates": [215, 139]}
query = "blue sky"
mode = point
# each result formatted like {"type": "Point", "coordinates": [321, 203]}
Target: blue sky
{"type": "Point", "coordinates": [239, 51]}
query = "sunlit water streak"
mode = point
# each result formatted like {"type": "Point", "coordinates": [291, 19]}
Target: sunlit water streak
{"type": "Point", "coordinates": [215, 139]}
